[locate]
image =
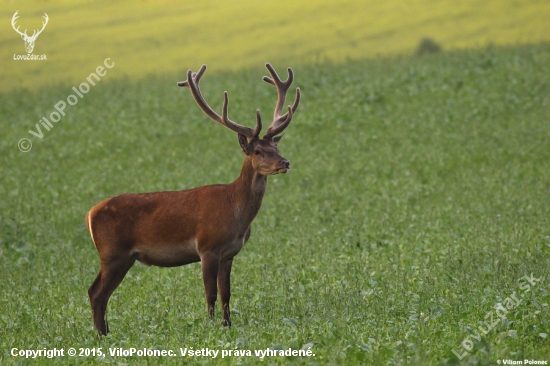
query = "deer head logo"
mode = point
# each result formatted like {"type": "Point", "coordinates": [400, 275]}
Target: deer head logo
{"type": "Point", "coordinates": [29, 41]}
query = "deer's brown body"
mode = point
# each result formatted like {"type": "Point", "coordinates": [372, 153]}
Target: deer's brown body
{"type": "Point", "coordinates": [210, 224]}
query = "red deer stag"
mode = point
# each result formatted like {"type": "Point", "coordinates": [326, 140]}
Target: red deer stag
{"type": "Point", "coordinates": [210, 224]}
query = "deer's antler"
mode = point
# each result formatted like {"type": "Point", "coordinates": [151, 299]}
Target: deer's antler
{"type": "Point", "coordinates": [37, 32]}
{"type": "Point", "coordinates": [192, 83]}
{"type": "Point", "coordinates": [13, 20]}
{"type": "Point", "coordinates": [280, 122]}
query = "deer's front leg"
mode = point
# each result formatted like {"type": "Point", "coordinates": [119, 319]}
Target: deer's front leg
{"type": "Point", "coordinates": [224, 284]}
{"type": "Point", "coordinates": [210, 265]}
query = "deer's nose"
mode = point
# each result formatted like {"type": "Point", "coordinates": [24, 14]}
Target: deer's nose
{"type": "Point", "coordinates": [286, 163]}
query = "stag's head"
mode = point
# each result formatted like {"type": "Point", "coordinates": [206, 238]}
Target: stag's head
{"type": "Point", "coordinates": [262, 152]}
{"type": "Point", "coordinates": [29, 40]}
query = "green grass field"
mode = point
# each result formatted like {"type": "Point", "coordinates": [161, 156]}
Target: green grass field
{"type": "Point", "coordinates": [418, 199]}
{"type": "Point", "coordinates": [165, 36]}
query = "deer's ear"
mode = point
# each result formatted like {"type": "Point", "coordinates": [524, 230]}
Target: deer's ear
{"type": "Point", "coordinates": [275, 140]}
{"type": "Point", "coordinates": [245, 145]}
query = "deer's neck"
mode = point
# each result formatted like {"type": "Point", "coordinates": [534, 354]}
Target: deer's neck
{"type": "Point", "coordinates": [248, 192]}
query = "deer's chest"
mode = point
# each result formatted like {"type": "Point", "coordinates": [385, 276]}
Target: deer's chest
{"type": "Point", "coordinates": [233, 247]}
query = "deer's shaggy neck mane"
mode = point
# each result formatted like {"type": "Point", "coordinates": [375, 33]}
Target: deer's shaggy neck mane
{"type": "Point", "coordinates": [248, 191]}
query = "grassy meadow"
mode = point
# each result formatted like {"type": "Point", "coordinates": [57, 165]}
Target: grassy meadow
{"type": "Point", "coordinates": [167, 36]}
{"type": "Point", "coordinates": [418, 199]}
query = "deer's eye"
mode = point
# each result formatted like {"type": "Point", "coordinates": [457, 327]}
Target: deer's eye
{"type": "Point", "coordinates": [256, 152]}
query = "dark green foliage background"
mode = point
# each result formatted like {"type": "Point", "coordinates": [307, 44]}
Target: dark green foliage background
{"type": "Point", "coordinates": [418, 196]}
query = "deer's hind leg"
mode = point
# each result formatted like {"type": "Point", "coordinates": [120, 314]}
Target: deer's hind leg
{"type": "Point", "coordinates": [110, 276]}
